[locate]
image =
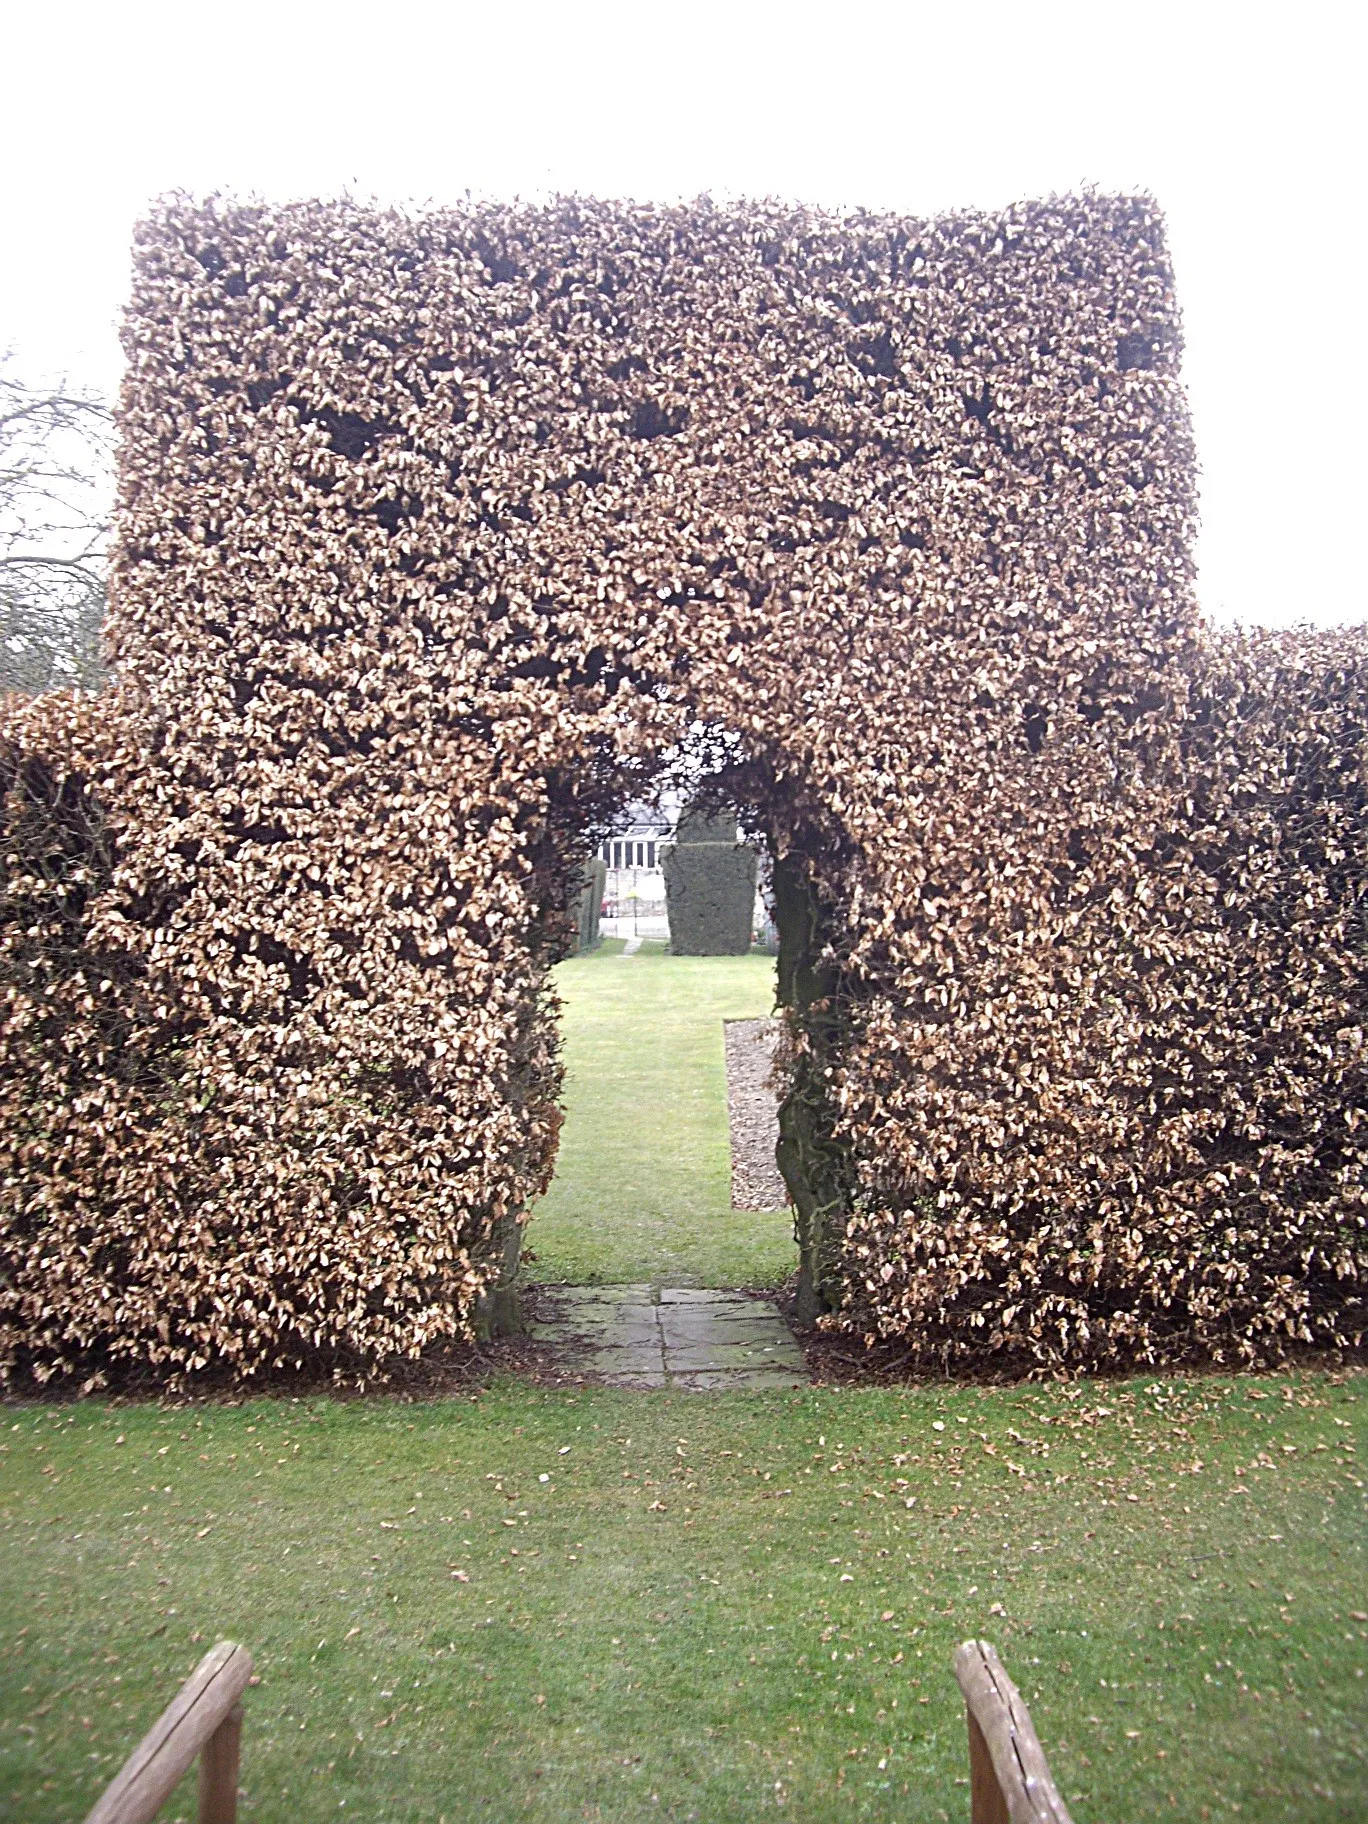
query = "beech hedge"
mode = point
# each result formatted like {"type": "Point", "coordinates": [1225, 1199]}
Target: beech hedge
{"type": "Point", "coordinates": [436, 535]}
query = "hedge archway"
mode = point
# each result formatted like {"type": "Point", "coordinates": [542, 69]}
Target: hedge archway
{"type": "Point", "coordinates": [435, 534]}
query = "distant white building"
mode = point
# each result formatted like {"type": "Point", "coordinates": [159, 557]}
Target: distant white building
{"type": "Point", "coordinates": [634, 890]}
{"type": "Point", "coordinates": [635, 849]}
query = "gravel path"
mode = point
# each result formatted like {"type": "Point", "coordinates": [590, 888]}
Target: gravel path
{"type": "Point", "coordinates": [753, 1108]}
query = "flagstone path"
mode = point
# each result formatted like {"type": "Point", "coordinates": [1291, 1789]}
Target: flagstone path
{"type": "Point", "coordinates": [680, 1337]}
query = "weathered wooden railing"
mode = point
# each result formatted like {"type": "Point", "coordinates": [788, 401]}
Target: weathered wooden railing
{"type": "Point", "coordinates": [205, 1719]}
{"type": "Point", "coordinates": [1009, 1781]}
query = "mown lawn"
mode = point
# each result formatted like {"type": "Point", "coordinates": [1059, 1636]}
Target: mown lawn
{"type": "Point", "coordinates": [603, 1605]}
{"type": "Point", "coordinates": [643, 1180]}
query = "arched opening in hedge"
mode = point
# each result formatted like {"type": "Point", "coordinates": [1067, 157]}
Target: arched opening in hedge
{"type": "Point", "coordinates": [711, 878]}
{"type": "Point", "coordinates": [434, 532]}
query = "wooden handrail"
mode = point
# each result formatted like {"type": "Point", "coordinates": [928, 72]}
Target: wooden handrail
{"type": "Point", "coordinates": [1009, 1781]}
{"type": "Point", "coordinates": [204, 1718]}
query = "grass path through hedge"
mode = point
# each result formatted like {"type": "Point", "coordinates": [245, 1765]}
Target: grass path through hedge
{"type": "Point", "coordinates": [643, 1180]}
{"type": "Point", "coordinates": [711, 1608]}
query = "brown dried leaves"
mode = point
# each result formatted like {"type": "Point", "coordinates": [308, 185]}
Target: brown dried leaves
{"type": "Point", "coordinates": [436, 533]}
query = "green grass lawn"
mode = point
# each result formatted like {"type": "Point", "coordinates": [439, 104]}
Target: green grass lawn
{"type": "Point", "coordinates": [595, 1604]}
{"type": "Point", "coordinates": [643, 1180]}
{"type": "Point", "coordinates": [598, 1604]}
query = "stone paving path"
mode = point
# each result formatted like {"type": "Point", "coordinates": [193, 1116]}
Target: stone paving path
{"type": "Point", "coordinates": [641, 1336]}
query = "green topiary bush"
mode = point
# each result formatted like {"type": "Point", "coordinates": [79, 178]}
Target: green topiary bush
{"type": "Point", "coordinates": [709, 888]}
{"type": "Point", "coordinates": [591, 902]}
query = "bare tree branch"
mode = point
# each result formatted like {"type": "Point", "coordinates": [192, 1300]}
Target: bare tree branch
{"type": "Point", "coordinates": [55, 489]}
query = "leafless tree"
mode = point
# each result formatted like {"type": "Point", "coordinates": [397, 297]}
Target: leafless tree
{"type": "Point", "coordinates": [55, 445]}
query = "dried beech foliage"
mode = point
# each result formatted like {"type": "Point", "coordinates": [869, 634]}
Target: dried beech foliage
{"type": "Point", "coordinates": [434, 534]}
{"type": "Point", "coordinates": [1112, 1108]}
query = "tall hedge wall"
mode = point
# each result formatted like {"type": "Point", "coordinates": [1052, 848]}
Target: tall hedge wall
{"type": "Point", "coordinates": [1140, 1131]}
{"type": "Point", "coordinates": [435, 534]}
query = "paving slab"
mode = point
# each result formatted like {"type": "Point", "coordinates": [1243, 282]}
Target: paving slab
{"type": "Point", "coordinates": [736, 1379]}
{"type": "Point", "coordinates": [620, 1331]}
{"type": "Point", "coordinates": [687, 1337]}
{"type": "Point", "coordinates": [701, 1295]}
{"type": "Point", "coordinates": [710, 1353]}
{"type": "Point", "coordinates": [613, 1329]}
{"type": "Point", "coordinates": [721, 1316]}
{"type": "Point", "coordinates": [687, 1327]}
{"type": "Point", "coordinates": [608, 1298]}
{"type": "Point", "coordinates": [724, 1355]}
{"type": "Point", "coordinates": [627, 1366]}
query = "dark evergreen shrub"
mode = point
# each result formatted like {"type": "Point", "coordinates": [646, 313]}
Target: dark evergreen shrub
{"type": "Point", "coordinates": [709, 888]}
{"type": "Point", "coordinates": [591, 902]}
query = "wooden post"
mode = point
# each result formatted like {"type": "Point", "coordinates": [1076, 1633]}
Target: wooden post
{"type": "Point", "coordinates": [204, 1717]}
{"type": "Point", "coordinates": [218, 1771]}
{"type": "Point", "coordinates": [986, 1803]}
{"type": "Point", "coordinates": [1009, 1781]}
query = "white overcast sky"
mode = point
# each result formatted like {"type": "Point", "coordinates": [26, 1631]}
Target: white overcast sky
{"type": "Point", "coordinates": [1245, 121]}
